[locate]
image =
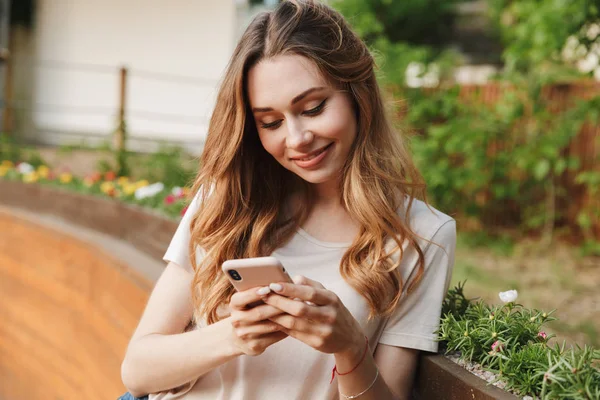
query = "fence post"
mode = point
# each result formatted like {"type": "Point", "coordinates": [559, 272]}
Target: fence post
{"type": "Point", "coordinates": [121, 133]}
{"type": "Point", "coordinates": [6, 60]}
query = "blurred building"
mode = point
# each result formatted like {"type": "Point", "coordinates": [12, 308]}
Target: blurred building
{"type": "Point", "coordinates": [66, 64]}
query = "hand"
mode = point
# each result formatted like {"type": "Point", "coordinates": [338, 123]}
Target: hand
{"type": "Point", "coordinates": [325, 323]}
{"type": "Point", "coordinates": [252, 331]}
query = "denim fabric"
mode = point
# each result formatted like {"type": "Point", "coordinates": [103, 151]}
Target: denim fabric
{"type": "Point", "coordinates": [128, 396]}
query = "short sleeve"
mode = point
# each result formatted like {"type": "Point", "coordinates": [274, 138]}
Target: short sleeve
{"type": "Point", "coordinates": [417, 317]}
{"type": "Point", "coordinates": [178, 251]}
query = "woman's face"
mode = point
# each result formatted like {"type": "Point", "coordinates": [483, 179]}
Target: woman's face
{"type": "Point", "coordinates": [307, 125]}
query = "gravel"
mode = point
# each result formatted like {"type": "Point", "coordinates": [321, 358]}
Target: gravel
{"type": "Point", "coordinates": [478, 370]}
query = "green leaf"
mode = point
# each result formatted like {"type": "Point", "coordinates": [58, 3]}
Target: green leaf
{"type": "Point", "coordinates": [541, 169]}
{"type": "Point", "coordinates": [560, 166]}
{"type": "Point", "coordinates": [584, 221]}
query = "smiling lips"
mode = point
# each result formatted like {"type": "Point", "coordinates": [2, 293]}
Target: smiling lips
{"type": "Point", "coordinates": [311, 160]}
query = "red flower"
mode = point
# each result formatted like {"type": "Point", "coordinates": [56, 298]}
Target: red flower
{"type": "Point", "coordinates": [110, 176]}
{"type": "Point", "coordinates": [184, 210]}
{"type": "Point", "coordinates": [497, 346]}
{"type": "Point", "coordinates": [170, 199]}
{"type": "Point", "coordinates": [543, 335]}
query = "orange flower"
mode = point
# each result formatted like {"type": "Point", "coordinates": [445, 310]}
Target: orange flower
{"type": "Point", "coordinates": [110, 176]}
{"type": "Point", "coordinates": [88, 181]}
{"type": "Point", "coordinates": [107, 187]}
{"type": "Point", "coordinates": [95, 177]}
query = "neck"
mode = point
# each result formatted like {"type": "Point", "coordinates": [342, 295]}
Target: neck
{"type": "Point", "coordinates": [327, 194]}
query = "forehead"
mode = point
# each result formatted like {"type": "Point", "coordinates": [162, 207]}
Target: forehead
{"type": "Point", "coordinates": [276, 81]}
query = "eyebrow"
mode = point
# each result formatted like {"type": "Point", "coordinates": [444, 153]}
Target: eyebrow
{"type": "Point", "coordinates": [294, 100]}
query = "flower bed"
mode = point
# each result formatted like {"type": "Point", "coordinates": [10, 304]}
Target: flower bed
{"type": "Point", "coordinates": [505, 344]}
{"type": "Point", "coordinates": [170, 201]}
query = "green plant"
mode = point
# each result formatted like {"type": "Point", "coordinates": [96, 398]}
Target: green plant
{"type": "Point", "coordinates": [523, 369]}
{"type": "Point", "coordinates": [104, 166]}
{"type": "Point", "coordinates": [455, 302]}
{"type": "Point", "coordinates": [575, 374]}
{"type": "Point", "coordinates": [591, 181]}
{"type": "Point", "coordinates": [403, 32]}
{"type": "Point", "coordinates": [501, 164]}
{"type": "Point", "coordinates": [121, 160]}
{"type": "Point", "coordinates": [170, 164]}
{"type": "Point", "coordinates": [508, 340]}
{"type": "Point", "coordinates": [34, 158]}
{"type": "Point", "coordinates": [534, 32]}
{"type": "Point", "coordinates": [13, 151]}
{"type": "Point", "coordinates": [9, 150]}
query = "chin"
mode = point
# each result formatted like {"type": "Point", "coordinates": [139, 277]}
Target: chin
{"type": "Point", "coordinates": [316, 177]}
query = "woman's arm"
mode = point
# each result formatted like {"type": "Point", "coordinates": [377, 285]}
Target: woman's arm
{"type": "Point", "coordinates": [396, 366]}
{"type": "Point", "coordinates": [159, 356]}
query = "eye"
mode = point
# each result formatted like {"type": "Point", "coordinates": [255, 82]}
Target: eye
{"type": "Point", "coordinates": [271, 125]}
{"type": "Point", "coordinates": [315, 111]}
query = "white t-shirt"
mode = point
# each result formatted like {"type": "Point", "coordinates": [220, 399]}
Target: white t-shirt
{"type": "Point", "coordinates": [291, 369]}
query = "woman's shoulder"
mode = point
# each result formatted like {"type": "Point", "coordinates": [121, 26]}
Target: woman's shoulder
{"type": "Point", "coordinates": [424, 219]}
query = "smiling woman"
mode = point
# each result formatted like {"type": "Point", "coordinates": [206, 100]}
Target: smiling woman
{"type": "Point", "coordinates": [302, 164]}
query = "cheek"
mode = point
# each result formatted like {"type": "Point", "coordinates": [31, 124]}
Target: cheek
{"type": "Point", "coordinates": [339, 124]}
{"type": "Point", "coordinates": [272, 144]}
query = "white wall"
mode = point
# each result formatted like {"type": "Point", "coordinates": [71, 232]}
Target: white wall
{"type": "Point", "coordinates": [78, 46]}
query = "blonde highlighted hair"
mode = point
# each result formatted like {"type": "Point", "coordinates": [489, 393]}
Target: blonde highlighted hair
{"type": "Point", "coordinates": [242, 188]}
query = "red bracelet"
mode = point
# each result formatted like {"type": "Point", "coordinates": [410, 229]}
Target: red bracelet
{"type": "Point", "coordinates": [334, 371]}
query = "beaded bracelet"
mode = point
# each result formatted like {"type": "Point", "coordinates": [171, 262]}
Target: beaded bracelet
{"type": "Point", "coordinates": [354, 396]}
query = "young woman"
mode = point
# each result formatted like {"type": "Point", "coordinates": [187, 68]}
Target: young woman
{"type": "Point", "coordinates": [300, 163]}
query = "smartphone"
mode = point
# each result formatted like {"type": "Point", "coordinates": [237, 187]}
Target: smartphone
{"type": "Point", "coordinates": [248, 273]}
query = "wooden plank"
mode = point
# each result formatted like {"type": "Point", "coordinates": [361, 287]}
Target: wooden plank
{"type": "Point", "coordinates": [441, 379]}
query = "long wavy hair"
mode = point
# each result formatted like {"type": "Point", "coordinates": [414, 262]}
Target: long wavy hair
{"type": "Point", "coordinates": [243, 189]}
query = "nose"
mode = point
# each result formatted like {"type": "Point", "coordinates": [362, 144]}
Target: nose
{"type": "Point", "coordinates": [298, 136]}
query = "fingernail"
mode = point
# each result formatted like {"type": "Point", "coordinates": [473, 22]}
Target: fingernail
{"type": "Point", "coordinates": [276, 287]}
{"type": "Point", "coordinates": [263, 290]}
